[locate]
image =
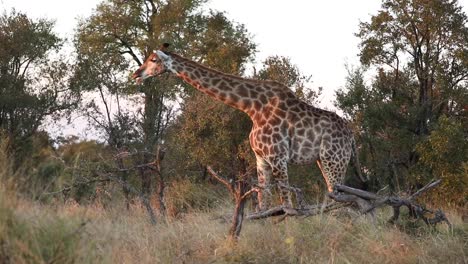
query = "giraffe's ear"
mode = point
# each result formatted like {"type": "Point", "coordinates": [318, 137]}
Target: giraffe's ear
{"type": "Point", "coordinates": [162, 51]}
{"type": "Point", "coordinates": [162, 55]}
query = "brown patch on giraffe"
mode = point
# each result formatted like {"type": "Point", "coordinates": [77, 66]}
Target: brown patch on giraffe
{"type": "Point", "coordinates": [301, 132]}
{"type": "Point", "coordinates": [261, 122]}
{"type": "Point", "coordinates": [295, 109]}
{"type": "Point", "coordinates": [242, 91]}
{"type": "Point", "coordinates": [307, 144]}
{"type": "Point", "coordinates": [249, 86]}
{"type": "Point", "coordinates": [267, 112]}
{"type": "Point", "coordinates": [266, 139]}
{"type": "Point", "coordinates": [253, 94]}
{"type": "Point", "coordinates": [302, 106]}
{"type": "Point", "coordinates": [291, 102]}
{"type": "Point", "coordinates": [276, 149]}
{"type": "Point", "coordinates": [282, 105]}
{"type": "Point", "coordinates": [215, 81]}
{"type": "Point", "coordinates": [293, 117]}
{"type": "Point", "coordinates": [280, 113]}
{"type": "Point", "coordinates": [274, 121]}
{"type": "Point", "coordinates": [245, 104]}
{"type": "Point", "coordinates": [224, 86]}
{"type": "Point", "coordinates": [197, 74]}
{"type": "Point", "coordinates": [234, 97]}
{"type": "Point", "coordinates": [266, 150]}
{"type": "Point", "coordinates": [230, 81]}
{"type": "Point", "coordinates": [267, 130]}
{"type": "Point", "coordinates": [277, 137]}
{"type": "Point", "coordinates": [257, 105]}
{"type": "Point", "coordinates": [274, 101]}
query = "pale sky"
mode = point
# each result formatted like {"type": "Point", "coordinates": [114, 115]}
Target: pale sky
{"type": "Point", "coordinates": [318, 36]}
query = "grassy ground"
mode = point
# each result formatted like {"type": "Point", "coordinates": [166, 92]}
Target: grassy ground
{"type": "Point", "coordinates": [69, 233]}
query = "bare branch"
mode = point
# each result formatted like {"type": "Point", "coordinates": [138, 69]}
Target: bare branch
{"type": "Point", "coordinates": [221, 180]}
{"type": "Point", "coordinates": [425, 188]}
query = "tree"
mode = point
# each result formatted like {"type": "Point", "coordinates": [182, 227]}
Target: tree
{"type": "Point", "coordinates": [32, 85]}
{"type": "Point", "coordinates": [282, 70]}
{"type": "Point", "coordinates": [428, 40]}
{"type": "Point", "coordinates": [418, 49]}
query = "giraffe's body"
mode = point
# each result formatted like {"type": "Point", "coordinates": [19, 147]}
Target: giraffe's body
{"type": "Point", "coordinates": [285, 129]}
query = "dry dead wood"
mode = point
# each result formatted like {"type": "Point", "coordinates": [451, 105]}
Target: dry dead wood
{"type": "Point", "coordinates": [417, 211]}
{"type": "Point", "coordinates": [307, 210]}
{"type": "Point", "coordinates": [239, 192]}
{"type": "Point", "coordinates": [367, 202]}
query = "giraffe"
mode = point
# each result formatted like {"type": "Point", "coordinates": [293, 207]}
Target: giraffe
{"type": "Point", "coordinates": [285, 129]}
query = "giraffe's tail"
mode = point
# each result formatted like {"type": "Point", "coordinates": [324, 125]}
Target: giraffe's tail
{"type": "Point", "coordinates": [357, 165]}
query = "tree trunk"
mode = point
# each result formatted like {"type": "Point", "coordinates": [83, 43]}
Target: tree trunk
{"type": "Point", "coordinates": [238, 217]}
{"type": "Point", "coordinates": [124, 178]}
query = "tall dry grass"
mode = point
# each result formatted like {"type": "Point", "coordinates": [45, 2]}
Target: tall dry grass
{"type": "Point", "coordinates": [70, 233]}
{"type": "Point", "coordinates": [66, 232]}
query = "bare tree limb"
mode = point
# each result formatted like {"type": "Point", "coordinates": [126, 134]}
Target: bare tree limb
{"type": "Point", "coordinates": [221, 179]}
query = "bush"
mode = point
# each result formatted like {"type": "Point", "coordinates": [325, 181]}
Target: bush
{"type": "Point", "coordinates": [30, 240]}
{"type": "Point", "coordinates": [184, 196]}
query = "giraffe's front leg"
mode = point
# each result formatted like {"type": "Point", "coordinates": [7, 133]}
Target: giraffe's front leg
{"type": "Point", "coordinates": [280, 174]}
{"type": "Point", "coordinates": [264, 172]}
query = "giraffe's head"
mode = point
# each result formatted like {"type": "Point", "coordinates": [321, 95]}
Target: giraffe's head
{"type": "Point", "coordinates": [156, 64]}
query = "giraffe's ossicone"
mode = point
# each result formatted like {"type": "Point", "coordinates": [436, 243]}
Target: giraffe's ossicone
{"type": "Point", "coordinates": [285, 129]}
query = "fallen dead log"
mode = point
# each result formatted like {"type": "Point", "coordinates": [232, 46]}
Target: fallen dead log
{"type": "Point", "coordinates": [416, 210]}
{"type": "Point", "coordinates": [307, 210]}
{"type": "Point", "coordinates": [366, 201]}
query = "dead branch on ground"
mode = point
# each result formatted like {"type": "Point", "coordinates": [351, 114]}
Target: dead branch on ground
{"type": "Point", "coordinates": [366, 202]}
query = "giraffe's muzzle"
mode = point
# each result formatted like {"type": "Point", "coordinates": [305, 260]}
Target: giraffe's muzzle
{"type": "Point", "coordinates": [137, 76]}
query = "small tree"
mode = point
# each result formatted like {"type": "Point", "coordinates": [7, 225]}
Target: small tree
{"type": "Point", "coordinates": [32, 85]}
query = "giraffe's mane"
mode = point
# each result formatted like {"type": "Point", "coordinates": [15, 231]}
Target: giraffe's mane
{"type": "Point", "coordinates": [250, 80]}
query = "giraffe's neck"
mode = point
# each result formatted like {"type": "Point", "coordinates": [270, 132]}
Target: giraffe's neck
{"type": "Point", "coordinates": [237, 92]}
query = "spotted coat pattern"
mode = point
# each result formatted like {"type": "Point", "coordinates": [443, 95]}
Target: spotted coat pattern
{"type": "Point", "coordinates": [285, 129]}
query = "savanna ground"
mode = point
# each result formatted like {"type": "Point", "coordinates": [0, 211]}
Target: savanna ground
{"type": "Point", "coordinates": [106, 232]}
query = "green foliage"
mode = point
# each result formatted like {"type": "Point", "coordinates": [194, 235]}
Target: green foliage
{"type": "Point", "coordinates": [282, 70]}
{"type": "Point", "coordinates": [32, 86]}
{"type": "Point", "coordinates": [184, 196]}
{"type": "Point", "coordinates": [444, 154]}
{"type": "Point", "coordinates": [410, 116]}
{"type": "Point", "coordinates": [427, 40]}
{"type": "Point", "coordinates": [215, 135]}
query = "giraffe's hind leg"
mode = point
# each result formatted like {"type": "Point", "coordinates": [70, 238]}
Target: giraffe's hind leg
{"type": "Point", "coordinates": [333, 172]}
{"type": "Point", "coordinates": [333, 161]}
